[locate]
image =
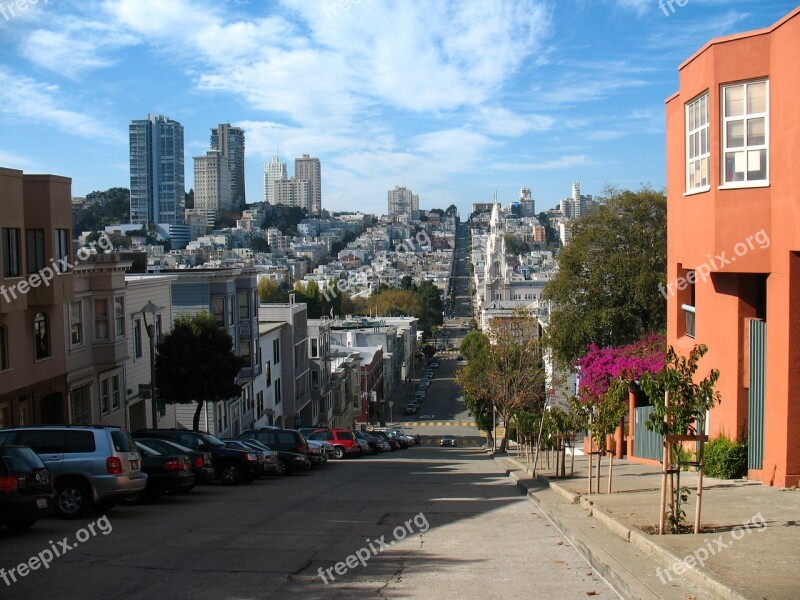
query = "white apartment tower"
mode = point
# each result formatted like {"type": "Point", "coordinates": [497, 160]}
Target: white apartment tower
{"type": "Point", "coordinates": [273, 171]}
{"type": "Point", "coordinates": [308, 168]}
{"type": "Point", "coordinates": [293, 192]}
{"type": "Point", "coordinates": [402, 201]}
{"type": "Point", "coordinates": [212, 185]}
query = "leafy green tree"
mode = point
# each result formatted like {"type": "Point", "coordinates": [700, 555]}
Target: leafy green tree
{"type": "Point", "coordinates": [606, 291]}
{"type": "Point", "coordinates": [431, 306]}
{"type": "Point", "coordinates": [270, 292]}
{"type": "Point", "coordinates": [259, 244]}
{"type": "Point", "coordinates": [195, 363]}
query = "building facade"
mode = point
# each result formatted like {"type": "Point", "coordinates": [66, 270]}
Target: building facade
{"type": "Point", "coordinates": [157, 170]}
{"type": "Point", "coordinates": [402, 201]}
{"type": "Point", "coordinates": [732, 190]}
{"type": "Point", "coordinates": [212, 186]}
{"type": "Point", "coordinates": [273, 171]}
{"type": "Point", "coordinates": [230, 142]}
{"type": "Point", "coordinates": [293, 192]}
{"type": "Point", "coordinates": [309, 169]}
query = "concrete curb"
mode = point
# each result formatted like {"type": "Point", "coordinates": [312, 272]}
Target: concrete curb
{"type": "Point", "coordinates": [638, 539]}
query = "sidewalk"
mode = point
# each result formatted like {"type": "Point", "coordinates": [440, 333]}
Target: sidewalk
{"type": "Point", "coordinates": [729, 560]}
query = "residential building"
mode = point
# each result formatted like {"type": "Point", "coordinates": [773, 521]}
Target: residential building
{"type": "Point", "coordinates": [309, 169]}
{"type": "Point", "coordinates": [371, 409]}
{"type": "Point", "coordinates": [319, 354]}
{"type": "Point", "coordinates": [273, 171]}
{"type": "Point", "coordinates": [290, 361]}
{"type": "Point", "coordinates": [293, 192]}
{"type": "Point", "coordinates": [36, 233]}
{"type": "Point", "coordinates": [230, 142]}
{"type": "Point", "coordinates": [527, 205]}
{"type": "Point", "coordinates": [268, 386]}
{"type": "Point", "coordinates": [733, 234]}
{"type": "Point", "coordinates": [402, 201]}
{"type": "Point", "coordinates": [157, 170]}
{"type": "Point", "coordinates": [212, 186]}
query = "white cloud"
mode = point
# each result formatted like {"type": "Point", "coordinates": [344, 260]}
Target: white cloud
{"type": "Point", "coordinates": [22, 97]}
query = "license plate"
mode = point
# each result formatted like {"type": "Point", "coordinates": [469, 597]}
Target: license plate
{"type": "Point", "coordinates": [134, 465]}
{"type": "Point", "coordinates": [41, 503]}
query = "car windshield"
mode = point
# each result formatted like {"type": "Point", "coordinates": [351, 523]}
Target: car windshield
{"type": "Point", "coordinates": [147, 449]}
{"type": "Point", "coordinates": [20, 460]}
{"type": "Point", "coordinates": [212, 440]}
{"type": "Point", "coordinates": [257, 444]}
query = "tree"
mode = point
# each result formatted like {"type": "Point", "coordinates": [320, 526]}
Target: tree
{"type": "Point", "coordinates": [394, 302]}
{"type": "Point", "coordinates": [514, 245]}
{"type": "Point", "coordinates": [680, 414]}
{"type": "Point", "coordinates": [195, 363]}
{"type": "Point", "coordinates": [473, 381]}
{"type": "Point", "coordinates": [452, 211]}
{"type": "Point", "coordinates": [270, 292]}
{"type": "Point", "coordinates": [606, 290]}
{"type": "Point", "coordinates": [189, 198]}
{"type": "Point", "coordinates": [431, 306]}
{"type": "Point", "coordinates": [259, 244]}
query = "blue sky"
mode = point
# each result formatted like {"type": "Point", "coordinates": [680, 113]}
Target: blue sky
{"type": "Point", "coordinates": [454, 99]}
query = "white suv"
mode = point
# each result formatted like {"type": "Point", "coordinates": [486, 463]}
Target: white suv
{"type": "Point", "coordinates": [91, 466]}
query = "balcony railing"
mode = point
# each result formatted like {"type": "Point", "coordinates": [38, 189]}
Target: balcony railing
{"type": "Point", "coordinates": [688, 312]}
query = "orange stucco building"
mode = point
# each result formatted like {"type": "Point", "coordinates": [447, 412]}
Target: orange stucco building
{"type": "Point", "coordinates": [733, 255]}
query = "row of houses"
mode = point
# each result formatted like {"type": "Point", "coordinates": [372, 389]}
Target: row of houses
{"type": "Point", "coordinates": [77, 336]}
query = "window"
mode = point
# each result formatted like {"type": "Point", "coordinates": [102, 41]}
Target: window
{"type": "Point", "coordinates": [62, 243]}
{"type": "Point", "coordinates": [41, 336]}
{"type": "Point", "coordinates": [278, 396]}
{"type": "Point", "coordinates": [137, 338]}
{"type": "Point", "coordinates": [105, 400]}
{"type": "Point", "coordinates": [218, 308]}
{"type": "Point", "coordinates": [101, 318]}
{"type": "Point", "coordinates": [314, 380]}
{"type": "Point", "coordinates": [745, 131]}
{"type": "Point", "coordinates": [244, 305]}
{"type": "Point", "coordinates": [115, 392]}
{"type": "Point", "coordinates": [34, 239]}
{"type": "Point", "coordinates": [268, 370]}
{"type": "Point", "coordinates": [3, 349]}
{"type": "Point", "coordinates": [276, 351]}
{"type": "Point", "coordinates": [119, 316]}
{"type": "Point", "coordinates": [80, 407]}
{"type": "Point", "coordinates": [697, 147]}
{"type": "Point", "coordinates": [76, 323]}
{"type": "Point", "coordinates": [231, 314]}
{"type": "Point", "coordinates": [314, 347]}
{"type": "Point", "coordinates": [11, 266]}
{"type": "Point", "coordinates": [158, 329]}
{"type": "Point", "coordinates": [244, 351]}
{"type": "Point", "coordinates": [686, 297]}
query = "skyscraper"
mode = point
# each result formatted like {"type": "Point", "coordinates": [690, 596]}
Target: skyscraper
{"type": "Point", "coordinates": [293, 192]}
{"type": "Point", "coordinates": [402, 201]}
{"type": "Point", "coordinates": [212, 185]}
{"type": "Point", "coordinates": [527, 205]}
{"type": "Point", "coordinates": [157, 171]}
{"type": "Point", "coordinates": [230, 142]}
{"type": "Point", "coordinates": [309, 168]}
{"type": "Point", "coordinates": [273, 171]}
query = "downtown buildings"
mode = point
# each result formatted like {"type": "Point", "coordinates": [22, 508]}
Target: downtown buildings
{"type": "Point", "coordinates": [157, 171]}
{"type": "Point", "coordinates": [303, 190]}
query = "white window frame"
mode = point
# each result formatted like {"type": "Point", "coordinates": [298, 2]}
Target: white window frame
{"type": "Point", "coordinates": [745, 148]}
{"type": "Point", "coordinates": [138, 348]}
{"type": "Point", "coordinates": [699, 131]}
{"type": "Point", "coordinates": [77, 323]}
{"type": "Point", "coordinates": [119, 317]}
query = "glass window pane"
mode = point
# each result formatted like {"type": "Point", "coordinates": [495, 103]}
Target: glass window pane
{"type": "Point", "coordinates": [735, 163]}
{"type": "Point", "coordinates": [735, 138]}
{"type": "Point", "coordinates": [704, 141]}
{"type": "Point", "coordinates": [704, 111]}
{"type": "Point", "coordinates": [734, 100]}
{"type": "Point", "coordinates": [757, 97]}
{"type": "Point", "coordinates": [756, 132]}
{"type": "Point", "coordinates": [704, 171]}
{"type": "Point", "coordinates": [756, 165]}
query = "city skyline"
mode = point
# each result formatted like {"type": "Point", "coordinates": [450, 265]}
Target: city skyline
{"type": "Point", "coordinates": [489, 96]}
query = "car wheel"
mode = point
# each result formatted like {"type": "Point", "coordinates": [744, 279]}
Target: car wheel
{"type": "Point", "coordinates": [231, 474]}
{"type": "Point", "coordinates": [21, 525]}
{"type": "Point", "coordinates": [283, 467]}
{"type": "Point", "coordinates": [73, 499]}
{"type": "Point", "coordinates": [338, 452]}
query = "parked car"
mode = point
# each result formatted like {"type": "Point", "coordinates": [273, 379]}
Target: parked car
{"type": "Point", "coordinates": [429, 374]}
{"type": "Point", "coordinates": [393, 444]}
{"type": "Point", "coordinates": [413, 440]}
{"type": "Point", "coordinates": [269, 464]}
{"type": "Point", "coordinates": [92, 466]}
{"type": "Point", "coordinates": [448, 440]}
{"type": "Point", "coordinates": [26, 490]}
{"type": "Point", "coordinates": [165, 473]}
{"type": "Point", "coordinates": [419, 396]}
{"type": "Point", "coordinates": [202, 462]}
{"type": "Point", "coordinates": [288, 462]}
{"type": "Point", "coordinates": [411, 408]}
{"type": "Point", "coordinates": [344, 441]}
{"type": "Point", "coordinates": [288, 440]}
{"type": "Point", "coordinates": [375, 444]}
{"type": "Point", "coordinates": [231, 465]}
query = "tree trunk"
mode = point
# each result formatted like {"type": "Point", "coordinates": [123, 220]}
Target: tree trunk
{"type": "Point", "coordinates": [196, 420]}
{"type": "Point", "coordinates": [503, 442]}
{"type": "Point", "coordinates": [572, 456]}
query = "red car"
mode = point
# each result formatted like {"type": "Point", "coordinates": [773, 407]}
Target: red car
{"type": "Point", "coordinates": [343, 440]}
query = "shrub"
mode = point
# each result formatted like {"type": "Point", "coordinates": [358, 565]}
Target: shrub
{"type": "Point", "coordinates": [725, 459]}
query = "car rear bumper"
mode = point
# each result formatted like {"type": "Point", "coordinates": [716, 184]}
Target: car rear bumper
{"type": "Point", "coordinates": [204, 475]}
{"type": "Point", "coordinates": [24, 508]}
{"type": "Point", "coordinates": [171, 482]}
{"type": "Point", "coordinates": [108, 486]}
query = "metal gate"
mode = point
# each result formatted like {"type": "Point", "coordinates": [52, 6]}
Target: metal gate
{"type": "Point", "coordinates": [646, 443]}
{"type": "Point", "coordinates": [757, 394]}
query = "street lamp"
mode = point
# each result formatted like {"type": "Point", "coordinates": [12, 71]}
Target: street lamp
{"type": "Point", "coordinates": [152, 309]}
